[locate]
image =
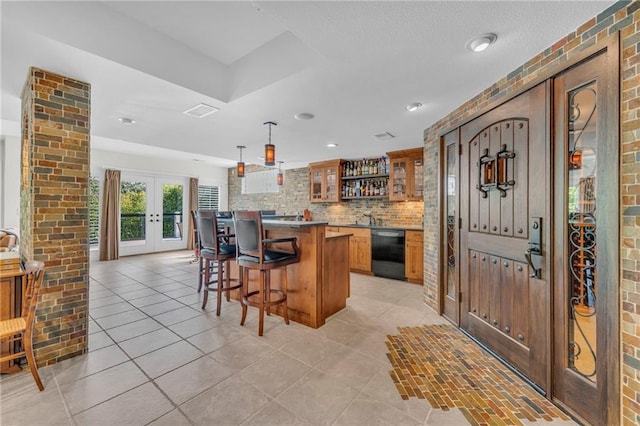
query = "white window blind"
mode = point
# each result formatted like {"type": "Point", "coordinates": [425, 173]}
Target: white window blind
{"type": "Point", "coordinates": [208, 197]}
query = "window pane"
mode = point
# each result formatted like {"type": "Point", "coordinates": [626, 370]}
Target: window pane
{"type": "Point", "coordinates": [133, 210]}
{"type": "Point", "coordinates": [172, 211]}
{"type": "Point", "coordinates": [581, 227]}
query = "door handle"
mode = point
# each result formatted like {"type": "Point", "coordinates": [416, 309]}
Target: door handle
{"type": "Point", "coordinates": [535, 272]}
{"type": "Point", "coordinates": [535, 246]}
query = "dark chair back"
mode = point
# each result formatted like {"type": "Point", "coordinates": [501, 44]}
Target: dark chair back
{"type": "Point", "coordinates": [196, 237]}
{"type": "Point", "coordinates": [213, 239]}
{"type": "Point", "coordinates": [249, 233]}
{"type": "Point", "coordinates": [207, 229]}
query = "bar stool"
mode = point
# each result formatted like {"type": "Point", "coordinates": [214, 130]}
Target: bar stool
{"type": "Point", "coordinates": [216, 249]}
{"type": "Point", "coordinates": [255, 252]}
{"type": "Point", "coordinates": [197, 248]}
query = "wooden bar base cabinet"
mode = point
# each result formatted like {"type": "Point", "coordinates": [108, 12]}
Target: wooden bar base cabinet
{"type": "Point", "coordinates": [11, 290]}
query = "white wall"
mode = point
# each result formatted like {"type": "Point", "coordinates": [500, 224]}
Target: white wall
{"type": "Point", "coordinates": [10, 182]}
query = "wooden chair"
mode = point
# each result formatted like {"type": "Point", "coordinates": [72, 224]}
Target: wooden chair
{"type": "Point", "coordinates": [21, 328]}
{"type": "Point", "coordinates": [216, 249]}
{"type": "Point", "coordinates": [256, 252]}
{"type": "Point", "coordinates": [197, 248]}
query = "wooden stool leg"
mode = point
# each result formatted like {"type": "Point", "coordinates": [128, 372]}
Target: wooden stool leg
{"type": "Point", "coordinates": [227, 274]}
{"type": "Point", "coordinates": [206, 283]}
{"type": "Point", "coordinates": [31, 360]}
{"type": "Point", "coordinates": [261, 306]}
{"type": "Point", "coordinates": [219, 288]}
{"type": "Point", "coordinates": [244, 273]}
{"type": "Point", "coordinates": [200, 272]}
{"type": "Point", "coordinates": [267, 292]}
{"type": "Point", "coordinates": [285, 311]}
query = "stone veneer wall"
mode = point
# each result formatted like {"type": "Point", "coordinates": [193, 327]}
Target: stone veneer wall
{"type": "Point", "coordinates": [54, 223]}
{"type": "Point", "coordinates": [294, 198]}
{"type": "Point", "coordinates": [625, 18]}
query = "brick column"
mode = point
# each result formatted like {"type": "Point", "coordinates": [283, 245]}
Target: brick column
{"type": "Point", "coordinates": [54, 222]}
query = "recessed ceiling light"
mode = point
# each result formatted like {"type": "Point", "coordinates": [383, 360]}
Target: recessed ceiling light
{"type": "Point", "coordinates": [304, 116]}
{"type": "Point", "coordinates": [413, 107]}
{"type": "Point", "coordinates": [126, 121]}
{"type": "Point", "coordinates": [481, 43]}
{"type": "Point", "coordinates": [384, 136]}
{"type": "Point", "coordinates": [332, 145]}
{"type": "Point", "coordinates": [201, 110]}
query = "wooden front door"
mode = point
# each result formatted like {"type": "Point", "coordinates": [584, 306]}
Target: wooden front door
{"type": "Point", "coordinates": [505, 233]}
{"type": "Point", "coordinates": [586, 291]}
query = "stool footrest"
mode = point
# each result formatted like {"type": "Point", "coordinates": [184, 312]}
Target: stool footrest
{"type": "Point", "coordinates": [223, 288]}
{"type": "Point", "coordinates": [247, 298]}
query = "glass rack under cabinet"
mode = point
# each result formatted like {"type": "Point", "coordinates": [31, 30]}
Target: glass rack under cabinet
{"type": "Point", "coordinates": [371, 186]}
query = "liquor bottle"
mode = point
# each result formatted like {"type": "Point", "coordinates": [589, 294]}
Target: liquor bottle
{"type": "Point", "coordinates": [375, 167]}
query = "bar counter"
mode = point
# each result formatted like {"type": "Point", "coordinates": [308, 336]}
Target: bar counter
{"type": "Point", "coordinates": [319, 285]}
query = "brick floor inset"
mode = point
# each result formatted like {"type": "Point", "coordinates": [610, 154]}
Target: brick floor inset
{"type": "Point", "coordinates": [440, 364]}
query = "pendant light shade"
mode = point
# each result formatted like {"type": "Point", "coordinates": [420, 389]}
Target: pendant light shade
{"type": "Point", "coordinates": [270, 149]}
{"type": "Point", "coordinates": [280, 176]}
{"type": "Point", "coordinates": [240, 168]}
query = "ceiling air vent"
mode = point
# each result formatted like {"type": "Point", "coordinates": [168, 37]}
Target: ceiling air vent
{"type": "Point", "coordinates": [384, 136]}
{"type": "Point", "coordinates": [201, 110]}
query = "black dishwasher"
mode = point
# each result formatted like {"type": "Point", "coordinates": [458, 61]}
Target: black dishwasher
{"type": "Point", "coordinates": [387, 253]}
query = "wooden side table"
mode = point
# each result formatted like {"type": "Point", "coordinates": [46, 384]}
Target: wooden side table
{"type": "Point", "coordinates": [11, 291]}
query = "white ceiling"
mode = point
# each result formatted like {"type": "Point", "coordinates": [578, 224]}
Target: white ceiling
{"type": "Point", "coordinates": [353, 64]}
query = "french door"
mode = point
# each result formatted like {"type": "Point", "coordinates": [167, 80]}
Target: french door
{"type": "Point", "coordinates": [152, 214]}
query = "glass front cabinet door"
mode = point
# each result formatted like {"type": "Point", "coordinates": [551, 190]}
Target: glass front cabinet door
{"type": "Point", "coordinates": [324, 181]}
{"type": "Point", "coordinates": [406, 177]}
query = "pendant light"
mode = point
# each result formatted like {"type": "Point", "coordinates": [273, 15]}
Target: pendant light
{"type": "Point", "coordinates": [280, 176]}
{"type": "Point", "coordinates": [241, 163]}
{"type": "Point", "coordinates": [270, 149]}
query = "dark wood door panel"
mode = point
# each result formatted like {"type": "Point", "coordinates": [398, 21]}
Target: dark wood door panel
{"type": "Point", "coordinates": [507, 297]}
{"type": "Point", "coordinates": [505, 159]}
{"type": "Point", "coordinates": [536, 167]}
{"type": "Point", "coordinates": [506, 204]}
{"type": "Point", "coordinates": [497, 286]}
{"type": "Point", "coordinates": [503, 246]}
{"type": "Point", "coordinates": [484, 286]}
{"type": "Point", "coordinates": [507, 348]}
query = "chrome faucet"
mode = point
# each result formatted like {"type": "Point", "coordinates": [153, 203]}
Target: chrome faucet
{"type": "Point", "coordinates": [372, 220]}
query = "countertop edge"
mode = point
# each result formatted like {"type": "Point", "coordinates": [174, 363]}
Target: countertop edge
{"type": "Point", "coordinates": [351, 225]}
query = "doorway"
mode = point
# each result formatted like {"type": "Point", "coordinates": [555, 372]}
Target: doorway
{"type": "Point", "coordinates": [152, 214]}
{"type": "Point", "coordinates": [534, 249]}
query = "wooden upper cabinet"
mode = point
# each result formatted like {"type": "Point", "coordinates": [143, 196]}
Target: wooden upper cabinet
{"type": "Point", "coordinates": [406, 175]}
{"type": "Point", "coordinates": [324, 181]}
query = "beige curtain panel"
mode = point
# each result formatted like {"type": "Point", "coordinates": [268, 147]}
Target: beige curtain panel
{"type": "Point", "coordinates": [193, 205]}
{"type": "Point", "coordinates": [110, 213]}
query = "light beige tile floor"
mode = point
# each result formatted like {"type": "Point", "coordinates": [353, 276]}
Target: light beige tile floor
{"type": "Point", "coordinates": [156, 358]}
